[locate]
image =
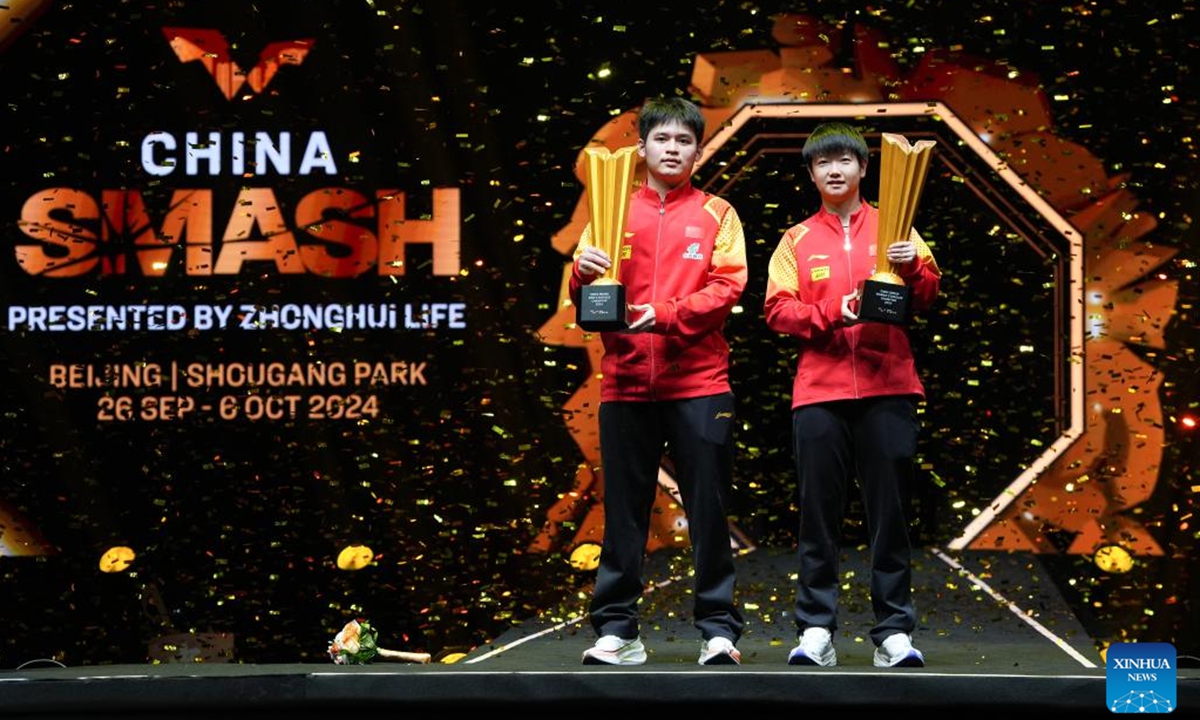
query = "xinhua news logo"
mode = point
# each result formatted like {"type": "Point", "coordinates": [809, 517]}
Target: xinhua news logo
{"type": "Point", "coordinates": [1140, 677]}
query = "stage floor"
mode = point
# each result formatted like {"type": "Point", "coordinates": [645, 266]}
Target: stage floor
{"type": "Point", "coordinates": [996, 635]}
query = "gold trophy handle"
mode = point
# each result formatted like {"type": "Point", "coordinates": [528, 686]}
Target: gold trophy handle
{"type": "Point", "coordinates": [610, 176]}
{"type": "Point", "coordinates": [887, 276]}
{"type": "Point", "coordinates": [601, 305]}
{"type": "Point", "coordinates": [903, 168]}
{"type": "Point", "coordinates": [884, 297]}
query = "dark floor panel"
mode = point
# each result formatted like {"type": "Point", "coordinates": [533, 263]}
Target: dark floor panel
{"type": "Point", "coordinates": [979, 613]}
{"type": "Point", "coordinates": [998, 640]}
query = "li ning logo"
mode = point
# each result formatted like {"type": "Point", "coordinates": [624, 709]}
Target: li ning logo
{"type": "Point", "coordinates": [210, 48]}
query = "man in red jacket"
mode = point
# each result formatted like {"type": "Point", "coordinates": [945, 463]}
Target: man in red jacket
{"type": "Point", "coordinates": [666, 386]}
{"type": "Point", "coordinates": [854, 400]}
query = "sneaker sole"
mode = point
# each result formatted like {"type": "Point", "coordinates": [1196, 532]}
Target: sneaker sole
{"type": "Point", "coordinates": [805, 660]}
{"type": "Point", "coordinates": [593, 660]}
{"type": "Point", "coordinates": [908, 661]}
{"type": "Point", "coordinates": [721, 659]}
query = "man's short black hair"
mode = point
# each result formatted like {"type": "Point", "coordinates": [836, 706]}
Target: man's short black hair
{"type": "Point", "coordinates": [660, 110]}
{"type": "Point", "coordinates": [834, 137]}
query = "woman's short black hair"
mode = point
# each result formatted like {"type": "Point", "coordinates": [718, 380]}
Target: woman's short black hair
{"type": "Point", "coordinates": [834, 137]}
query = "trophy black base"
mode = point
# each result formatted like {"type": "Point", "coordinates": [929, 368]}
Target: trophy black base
{"type": "Point", "coordinates": [602, 308]}
{"type": "Point", "coordinates": [884, 302]}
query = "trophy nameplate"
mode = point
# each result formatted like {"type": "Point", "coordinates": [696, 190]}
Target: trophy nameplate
{"type": "Point", "coordinates": [602, 307]}
{"type": "Point", "coordinates": [884, 299]}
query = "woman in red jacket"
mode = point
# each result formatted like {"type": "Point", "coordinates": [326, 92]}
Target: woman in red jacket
{"type": "Point", "coordinates": [854, 400]}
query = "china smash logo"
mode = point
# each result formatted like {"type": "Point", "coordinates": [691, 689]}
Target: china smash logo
{"type": "Point", "coordinates": [331, 231]}
{"type": "Point", "coordinates": [210, 48]}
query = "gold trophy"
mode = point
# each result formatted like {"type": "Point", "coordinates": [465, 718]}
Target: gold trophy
{"type": "Point", "coordinates": [609, 177]}
{"type": "Point", "coordinates": [884, 296]}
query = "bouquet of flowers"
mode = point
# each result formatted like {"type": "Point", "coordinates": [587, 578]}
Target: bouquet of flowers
{"type": "Point", "coordinates": [355, 645]}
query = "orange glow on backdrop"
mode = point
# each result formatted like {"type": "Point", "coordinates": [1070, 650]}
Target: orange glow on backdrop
{"type": "Point", "coordinates": [1111, 466]}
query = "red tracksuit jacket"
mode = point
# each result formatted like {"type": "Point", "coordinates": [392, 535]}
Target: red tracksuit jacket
{"type": "Point", "coordinates": [810, 271]}
{"type": "Point", "coordinates": [685, 255]}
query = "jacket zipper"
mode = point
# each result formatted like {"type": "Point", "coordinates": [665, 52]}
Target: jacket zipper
{"type": "Point", "coordinates": [662, 213]}
{"type": "Point", "coordinates": [851, 333]}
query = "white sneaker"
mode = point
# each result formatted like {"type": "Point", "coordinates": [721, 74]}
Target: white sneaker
{"type": "Point", "coordinates": [815, 648]}
{"type": "Point", "coordinates": [612, 650]}
{"type": "Point", "coordinates": [897, 651]}
{"type": "Point", "coordinates": [720, 651]}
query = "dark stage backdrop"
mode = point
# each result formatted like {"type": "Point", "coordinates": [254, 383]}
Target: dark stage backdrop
{"type": "Point", "coordinates": [284, 341]}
